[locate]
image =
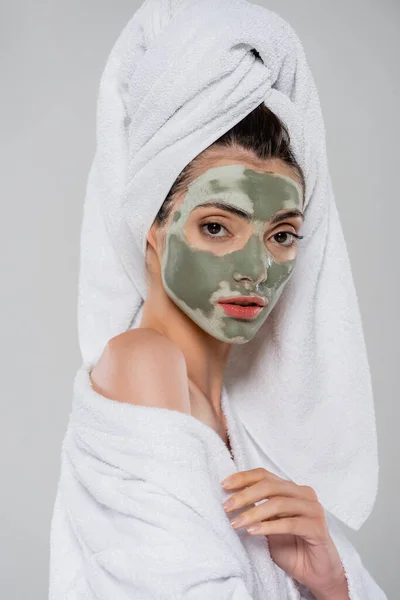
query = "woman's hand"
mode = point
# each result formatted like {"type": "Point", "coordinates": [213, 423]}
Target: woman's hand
{"type": "Point", "coordinates": [294, 522]}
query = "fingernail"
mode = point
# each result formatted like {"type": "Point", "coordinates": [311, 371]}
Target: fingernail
{"type": "Point", "coordinates": [226, 482]}
{"type": "Point", "coordinates": [228, 504]}
{"type": "Point", "coordinates": [253, 528]}
{"type": "Point", "coordinates": [236, 522]}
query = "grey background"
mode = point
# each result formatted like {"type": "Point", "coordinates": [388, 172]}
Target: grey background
{"type": "Point", "coordinates": [52, 55]}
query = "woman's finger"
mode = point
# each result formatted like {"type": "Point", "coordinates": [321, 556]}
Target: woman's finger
{"type": "Point", "coordinates": [266, 489]}
{"type": "Point", "coordinates": [310, 529]}
{"type": "Point", "coordinates": [277, 509]}
{"type": "Point", "coordinates": [243, 478]}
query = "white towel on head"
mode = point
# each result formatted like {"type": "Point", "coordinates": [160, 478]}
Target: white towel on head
{"type": "Point", "coordinates": [300, 391]}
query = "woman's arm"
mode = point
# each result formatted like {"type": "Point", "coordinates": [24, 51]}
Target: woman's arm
{"type": "Point", "coordinates": [144, 368]}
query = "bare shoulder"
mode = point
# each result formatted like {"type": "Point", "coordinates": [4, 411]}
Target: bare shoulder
{"type": "Point", "coordinates": [143, 367]}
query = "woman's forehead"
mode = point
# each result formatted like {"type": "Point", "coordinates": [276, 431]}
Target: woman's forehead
{"type": "Point", "coordinates": [258, 193]}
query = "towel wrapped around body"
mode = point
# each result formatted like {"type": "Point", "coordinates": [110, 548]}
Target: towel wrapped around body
{"type": "Point", "coordinates": [138, 513]}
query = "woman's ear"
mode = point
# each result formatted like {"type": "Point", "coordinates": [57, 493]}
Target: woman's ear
{"type": "Point", "coordinates": [152, 238]}
{"type": "Point", "coordinates": [152, 251]}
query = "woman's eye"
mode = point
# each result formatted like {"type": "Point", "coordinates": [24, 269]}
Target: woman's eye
{"type": "Point", "coordinates": [213, 230]}
{"type": "Point", "coordinates": [286, 238]}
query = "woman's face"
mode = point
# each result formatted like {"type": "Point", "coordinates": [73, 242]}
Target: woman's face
{"type": "Point", "coordinates": [232, 236]}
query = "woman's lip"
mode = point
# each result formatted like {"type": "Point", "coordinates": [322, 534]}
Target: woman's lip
{"type": "Point", "coordinates": [240, 312]}
{"type": "Point", "coordinates": [237, 299]}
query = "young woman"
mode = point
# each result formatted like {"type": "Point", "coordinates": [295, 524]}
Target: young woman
{"type": "Point", "coordinates": [219, 330]}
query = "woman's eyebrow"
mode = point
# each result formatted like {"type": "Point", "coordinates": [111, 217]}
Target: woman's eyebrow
{"type": "Point", "coordinates": [248, 216]}
{"type": "Point", "coordinates": [229, 208]}
{"type": "Point", "coordinates": [288, 214]}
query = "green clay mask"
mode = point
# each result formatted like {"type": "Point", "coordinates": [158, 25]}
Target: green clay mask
{"type": "Point", "coordinates": [245, 256]}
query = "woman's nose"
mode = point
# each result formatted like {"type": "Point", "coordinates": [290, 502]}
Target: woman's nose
{"type": "Point", "coordinates": [254, 262]}
{"type": "Point", "coordinates": [246, 278]}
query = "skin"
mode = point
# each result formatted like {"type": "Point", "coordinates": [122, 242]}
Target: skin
{"type": "Point", "coordinates": [191, 342]}
{"type": "Point", "coordinates": [205, 355]}
{"type": "Point", "coordinates": [245, 262]}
